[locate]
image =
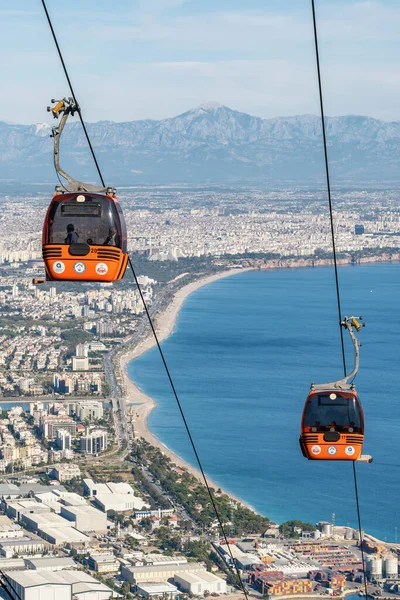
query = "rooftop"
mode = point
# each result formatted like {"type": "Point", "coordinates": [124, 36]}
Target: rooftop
{"type": "Point", "coordinates": [65, 534]}
{"type": "Point", "coordinates": [81, 582]}
{"type": "Point", "coordinates": [202, 577]}
{"type": "Point", "coordinates": [174, 567]}
{"type": "Point", "coordinates": [21, 540]}
{"type": "Point", "coordinates": [161, 587]}
{"type": "Point", "coordinates": [52, 561]}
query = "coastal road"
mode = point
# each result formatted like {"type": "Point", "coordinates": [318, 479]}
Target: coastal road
{"type": "Point", "coordinates": [123, 429]}
{"type": "Point", "coordinates": [118, 401]}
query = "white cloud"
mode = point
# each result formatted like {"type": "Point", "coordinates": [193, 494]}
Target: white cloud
{"type": "Point", "coordinates": [360, 22]}
{"type": "Point", "coordinates": [220, 31]}
{"type": "Point", "coordinates": [154, 61]}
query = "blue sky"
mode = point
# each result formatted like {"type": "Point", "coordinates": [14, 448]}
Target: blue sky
{"type": "Point", "coordinates": [157, 58]}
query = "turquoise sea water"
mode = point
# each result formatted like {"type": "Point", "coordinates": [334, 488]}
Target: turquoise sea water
{"type": "Point", "coordinates": [243, 355]}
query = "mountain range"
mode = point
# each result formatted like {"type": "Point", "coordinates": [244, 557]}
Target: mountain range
{"type": "Point", "coordinates": [210, 143]}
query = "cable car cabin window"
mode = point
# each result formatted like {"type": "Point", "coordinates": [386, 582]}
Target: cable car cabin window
{"type": "Point", "coordinates": [123, 227]}
{"type": "Point", "coordinates": [93, 221]}
{"type": "Point", "coordinates": [341, 413]}
{"type": "Point", "coordinates": [81, 210]}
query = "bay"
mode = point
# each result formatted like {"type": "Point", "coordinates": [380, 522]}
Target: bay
{"type": "Point", "coordinates": [243, 354]}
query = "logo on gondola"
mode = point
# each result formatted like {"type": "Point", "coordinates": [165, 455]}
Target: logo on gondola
{"type": "Point", "coordinates": [79, 268]}
{"type": "Point", "coordinates": [101, 269]}
{"type": "Point", "coordinates": [349, 450]}
{"type": "Point", "coordinates": [59, 267]}
{"type": "Point", "coordinates": [316, 449]}
{"type": "Point", "coordinates": [332, 450]}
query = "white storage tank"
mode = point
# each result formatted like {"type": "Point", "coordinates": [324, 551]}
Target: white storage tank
{"type": "Point", "coordinates": [391, 567]}
{"type": "Point", "coordinates": [348, 534]}
{"type": "Point", "coordinates": [327, 529]}
{"type": "Point", "coordinates": [374, 567]}
{"type": "Point", "coordinates": [358, 535]}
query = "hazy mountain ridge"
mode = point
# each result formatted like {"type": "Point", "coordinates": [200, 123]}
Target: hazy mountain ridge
{"type": "Point", "coordinates": [209, 142]}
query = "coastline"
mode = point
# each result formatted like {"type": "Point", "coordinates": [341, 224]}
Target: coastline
{"type": "Point", "coordinates": [164, 325]}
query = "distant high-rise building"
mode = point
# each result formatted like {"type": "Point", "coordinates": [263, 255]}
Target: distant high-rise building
{"type": "Point", "coordinates": [359, 229]}
{"type": "Point", "coordinates": [94, 441]}
{"type": "Point", "coordinates": [89, 410]}
{"type": "Point", "coordinates": [62, 384]}
{"type": "Point", "coordinates": [64, 439]}
{"type": "Point", "coordinates": [81, 351]}
{"type": "Point", "coordinates": [53, 293]}
{"type": "Point", "coordinates": [15, 291]}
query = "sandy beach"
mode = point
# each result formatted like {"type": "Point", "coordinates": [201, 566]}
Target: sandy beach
{"type": "Point", "coordinates": [164, 326]}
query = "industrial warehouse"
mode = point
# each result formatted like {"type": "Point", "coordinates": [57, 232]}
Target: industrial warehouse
{"type": "Point", "coordinates": [59, 542]}
{"type": "Point", "coordinates": [63, 585]}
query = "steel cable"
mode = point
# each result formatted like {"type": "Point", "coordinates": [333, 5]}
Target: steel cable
{"type": "Point", "coordinates": [212, 499]}
{"type": "Point", "coordinates": [178, 402]}
{"type": "Point", "coordinates": [72, 92]}
{"type": "Point", "coordinates": [328, 184]}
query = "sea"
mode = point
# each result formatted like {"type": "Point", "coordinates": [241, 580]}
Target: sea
{"type": "Point", "coordinates": [243, 354]}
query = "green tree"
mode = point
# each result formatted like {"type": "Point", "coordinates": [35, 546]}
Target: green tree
{"type": "Point", "coordinates": [288, 528]}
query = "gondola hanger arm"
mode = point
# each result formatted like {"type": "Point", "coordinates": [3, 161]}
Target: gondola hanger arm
{"type": "Point", "coordinates": [349, 323]}
{"type": "Point", "coordinates": [67, 107]}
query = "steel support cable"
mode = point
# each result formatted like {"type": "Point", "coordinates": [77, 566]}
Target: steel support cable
{"type": "Point", "coordinates": [212, 499]}
{"type": "Point", "coordinates": [328, 184]}
{"type": "Point", "coordinates": [178, 402]}
{"type": "Point", "coordinates": [360, 528]}
{"type": "Point", "coordinates": [72, 92]}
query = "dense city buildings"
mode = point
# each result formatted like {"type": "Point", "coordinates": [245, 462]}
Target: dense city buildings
{"type": "Point", "coordinates": [83, 501]}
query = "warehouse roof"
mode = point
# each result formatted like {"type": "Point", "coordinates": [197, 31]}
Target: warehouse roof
{"type": "Point", "coordinates": [28, 504]}
{"type": "Point", "coordinates": [173, 567]}
{"type": "Point", "coordinates": [160, 559]}
{"type": "Point", "coordinates": [19, 540]}
{"type": "Point", "coordinates": [47, 519]}
{"type": "Point", "coordinates": [4, 520]}
{"type": "Point", "coordinates": [46, 497]}
{"type": "Point", "coordinates": [81, 582]}
{"type": "Point", "coordinates": [9, 489]}
{"type": "Point", "coordinates": [12, 563]}
{"type": "Point", "coordinates": [110, 500]}
{"type": "Point", "coordinates": [65, 534]}
{"type": "Point", "coordinates": [52, 561]}
{"type": "Point", "coordinates": [37, 488]}
{"type": "Point", "coordinates": [120, 488]}
{"type": "Point", "coordinates": [73, 499]}
{"type": "Point", "coordinates": [99, 487]}
{"type": "Point", "coordinates": [103, 558]}
{"type": "Point", "coordinates": [203, 577]}
{"type": "Point", "coordinates": [83, 510]}
{"type": "Point", "coordinates": [162, 587]}
{"type": "Point", "coordinates": [10, 527]}
{"type": "Point", "coordinates": [29, 578]}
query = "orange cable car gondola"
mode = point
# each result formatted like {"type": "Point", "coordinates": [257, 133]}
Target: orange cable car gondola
{"type": "Point", "coordinates": [84, 233]}
{"type": "Point", "coordinates": [332, 426]}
